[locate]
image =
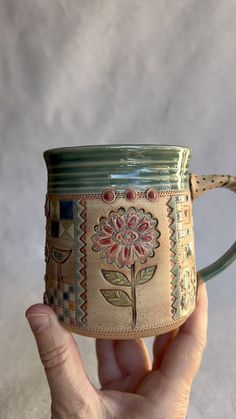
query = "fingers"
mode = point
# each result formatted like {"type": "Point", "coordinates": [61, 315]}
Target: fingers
{"type": "Point", "coordinates": [60, 357]}
{"type": "Point", "coordinates": [183, 357]}
{"type": "Point", "coordinates": [160, 345]}
{"type": "Point", "coordinates": [122, 363]}
{"type": "Point", "coordinates": [108, 368]}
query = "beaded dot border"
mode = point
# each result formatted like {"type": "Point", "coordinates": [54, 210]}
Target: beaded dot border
{"type": "Point", "coordinates": [117, 195]}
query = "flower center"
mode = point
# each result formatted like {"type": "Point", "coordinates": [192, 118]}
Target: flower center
{"type": "Point", "coordinates": [127, 236]}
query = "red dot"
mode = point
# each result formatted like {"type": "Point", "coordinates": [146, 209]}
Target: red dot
{"type": "Point", "coordinates": [108, 196]}
{"type": "Point", "coordinates": [151, 194]}
{"type": "Point", "coordinates": [130, 195]}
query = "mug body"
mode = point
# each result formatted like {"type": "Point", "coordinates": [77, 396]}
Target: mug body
{"type": "Point", "coordinates": [120, 260]}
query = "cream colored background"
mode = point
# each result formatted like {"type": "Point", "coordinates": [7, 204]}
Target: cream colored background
{"type": "Point", "coordinates": [75, 72]}
{"type": "Point", "coordinates": [153, 298]}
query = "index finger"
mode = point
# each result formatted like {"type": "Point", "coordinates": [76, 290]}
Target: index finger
{"type": "Point", "coordinates": [183, 357]}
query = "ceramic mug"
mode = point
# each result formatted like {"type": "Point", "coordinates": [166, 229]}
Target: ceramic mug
{"type": "Point", "coordinates": [120, 259]}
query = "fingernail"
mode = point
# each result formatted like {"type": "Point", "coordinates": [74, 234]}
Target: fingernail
{"type": "Point", "coordinates": [38, 322]}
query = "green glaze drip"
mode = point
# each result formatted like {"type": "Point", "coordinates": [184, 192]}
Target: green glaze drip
{"type": "Point", "coordinates": [91, 169]}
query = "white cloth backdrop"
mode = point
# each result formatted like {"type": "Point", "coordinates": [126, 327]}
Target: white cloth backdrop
{"type": "Point", "coordinates": [76, 72]}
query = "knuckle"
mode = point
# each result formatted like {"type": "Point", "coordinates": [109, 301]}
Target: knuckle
{"type": "Point", "coordinates": [56, 356]}
{"type": "Point", "coordinates": [80, 410]}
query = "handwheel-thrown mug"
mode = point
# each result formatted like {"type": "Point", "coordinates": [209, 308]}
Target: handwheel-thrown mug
{"type": "Point", "coordinates": [120, 260]}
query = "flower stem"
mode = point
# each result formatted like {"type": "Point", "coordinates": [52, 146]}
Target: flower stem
{"type": "Point", "coordinates": [133, 297]}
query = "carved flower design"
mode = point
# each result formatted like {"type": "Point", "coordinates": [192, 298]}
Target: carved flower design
{"type": "Point", "coordinates": [126, 236]}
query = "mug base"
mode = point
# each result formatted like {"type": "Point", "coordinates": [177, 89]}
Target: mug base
{"type": "Point", "coordinates": [126, 334]}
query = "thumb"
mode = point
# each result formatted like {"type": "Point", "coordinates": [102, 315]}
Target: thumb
{"type": "Point", "coordinates": [61, 359]}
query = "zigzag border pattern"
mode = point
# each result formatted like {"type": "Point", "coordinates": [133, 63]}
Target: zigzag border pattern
{"type": "Point", "coordinates": [81, 277]}
{"type": "Point", "coordinates": [83, 262]}
{"type": "Point", "coordinates": [171, 210]}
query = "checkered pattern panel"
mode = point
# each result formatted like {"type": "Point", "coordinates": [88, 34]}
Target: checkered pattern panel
{"type": "Point", "coordinates": [62, 300]}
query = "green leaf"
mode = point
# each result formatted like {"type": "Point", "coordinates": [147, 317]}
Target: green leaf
{"type": "Point", "coordinates": [117, 297]}
{"type": "Point", "coordinates": [115, 277]}
{"type": "Point", "coordinates": [145, 275]}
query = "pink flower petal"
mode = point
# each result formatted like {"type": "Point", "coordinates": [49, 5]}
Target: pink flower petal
{"type": "Point", "coordinates": [132, 212]}
{"type": "Point", "coordinates": [112, 222]}
{"type": "Point", "coordinates": [96, 247]}
{"type": "Point", "coordinates": [128, 255]}
{"type": "Point", "coordinates": [139, 249]}
{"type": "Point", "coordinates": [101, 233]}
{"type": "Point", "coordinates": [120, 259]}
{"type": "Point", "coordinates": [107, 229]}
{"type": "Point", "coordinates": [114, 248]}
{"type": "Point", "coordinates": [110, 255]}
{"type": "Point", "coordinates": [152, 234]}
{"type": "Point", "coordinates": [106, 241]}
{"type": "Point", "coordinates": [125, 257]}
{"type": "Point", "coordinates": [132, 221]}
{"type": "Point", "coordinates": [143, 227]}
{"type": "Point", "coordinates": [148, 221]}
{"type": "Point", "coordinates": [119, 222]}
{"type": "Point", "coordinates": [146, 238]}
{"type": "Point", "coordinates": [141, 253]}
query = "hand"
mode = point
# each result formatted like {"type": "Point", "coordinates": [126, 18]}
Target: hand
{"type": "Point", "coordinates": [131, 386]}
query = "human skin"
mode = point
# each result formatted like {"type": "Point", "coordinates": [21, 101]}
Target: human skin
{"type": "Point", "coordinates": [132, 385]}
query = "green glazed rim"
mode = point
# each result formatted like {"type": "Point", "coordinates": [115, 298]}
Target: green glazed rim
{"type": "Point", "coordinates": [93, 168]}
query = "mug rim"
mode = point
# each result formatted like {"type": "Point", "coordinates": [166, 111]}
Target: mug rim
{"type": "Point", "coordinates": [94, 147]}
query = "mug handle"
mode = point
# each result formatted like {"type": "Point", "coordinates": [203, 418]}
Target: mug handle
{"type": "Point", "coordinates": [199, 185]}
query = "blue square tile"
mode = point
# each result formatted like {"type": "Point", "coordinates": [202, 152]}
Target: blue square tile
{"type": "Point", "coordinates": [55, 228]}
{"type": "Point", "coordinates": [66, 296]}
{"type": "Point", "coordinates": [66, 210]}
